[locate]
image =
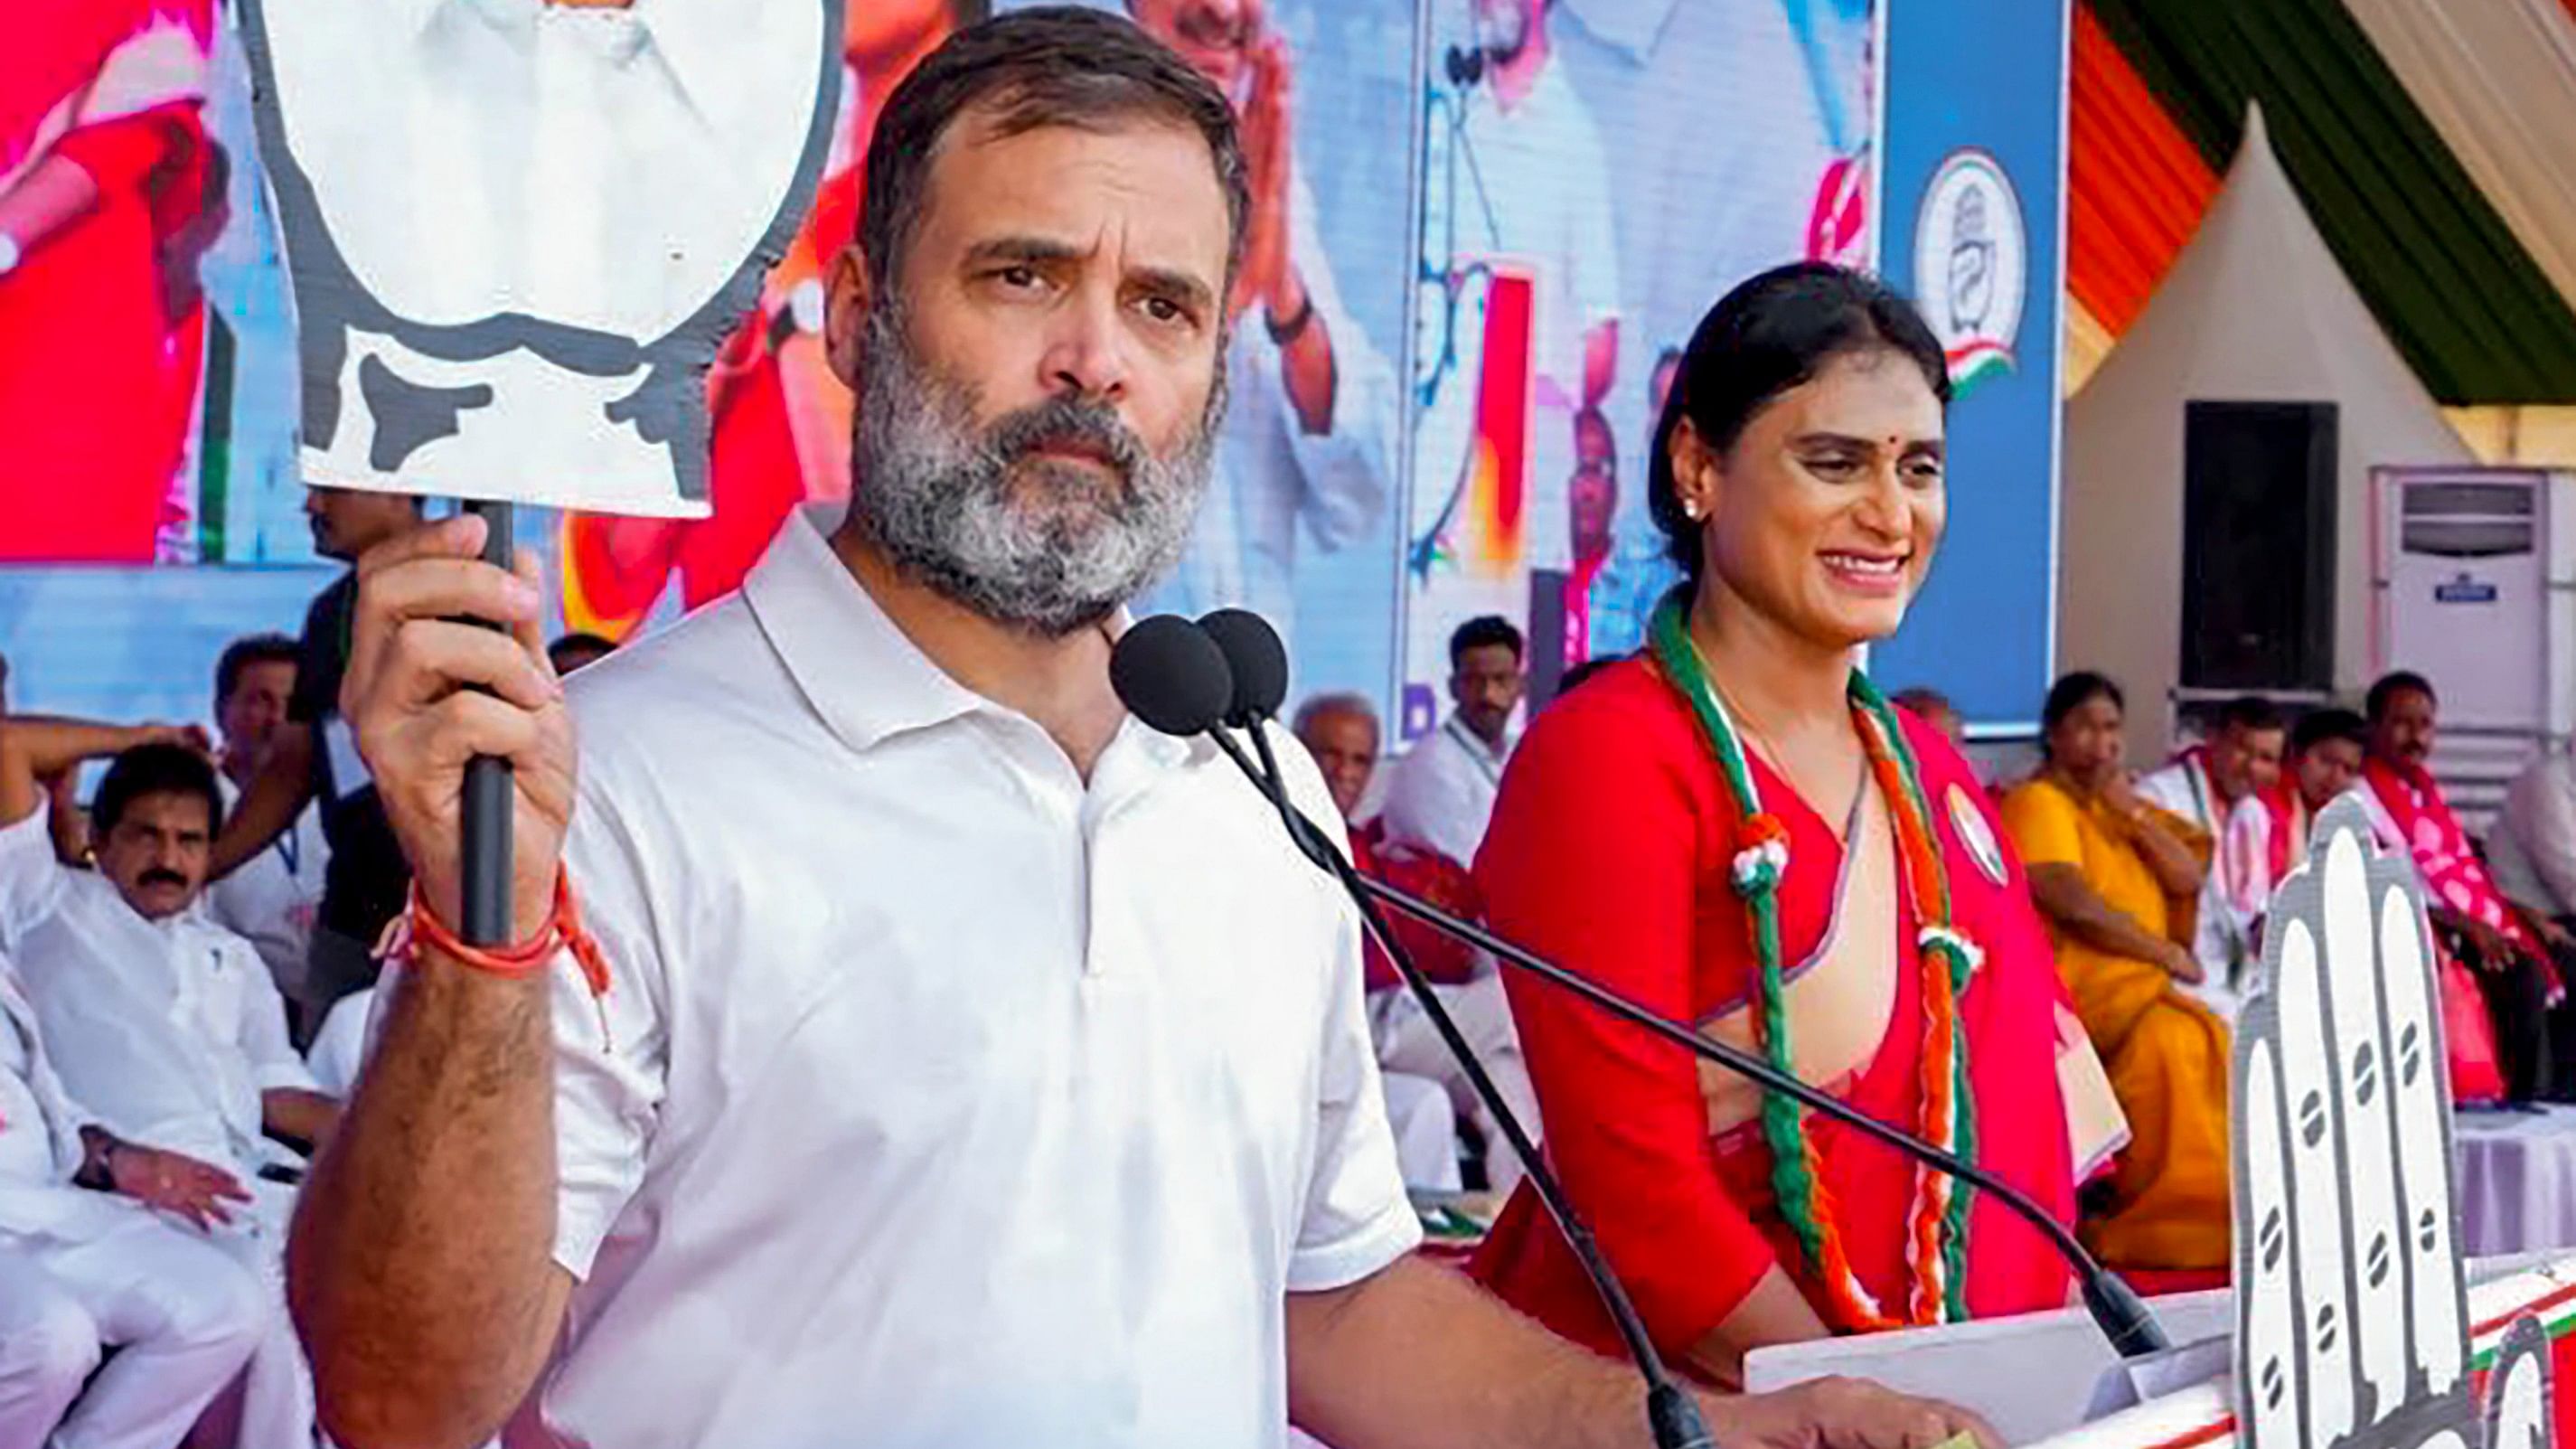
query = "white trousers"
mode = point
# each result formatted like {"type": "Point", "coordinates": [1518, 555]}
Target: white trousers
{"type": "Point", "coordinates": [1408, 1043]}
{"type": "Point", "coordinates": [1426, 1131]}
{"type": "Point", "coordinates": [270, 1406]}
{"type": "Point", "coordinates": [183, 1316]}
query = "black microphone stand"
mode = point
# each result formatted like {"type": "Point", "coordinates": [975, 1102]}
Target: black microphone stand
{"type": "Point", "coordinates": [2124, 1317]}
{"type": "Point", "coordinates": [1670, 1411]}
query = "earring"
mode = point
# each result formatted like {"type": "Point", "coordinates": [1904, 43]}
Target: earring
{"type": "Point", "coordinates": [1690, 509]}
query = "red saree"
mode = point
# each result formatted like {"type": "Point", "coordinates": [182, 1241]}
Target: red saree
{"type": "Point", "coordinates": [1610, 851]}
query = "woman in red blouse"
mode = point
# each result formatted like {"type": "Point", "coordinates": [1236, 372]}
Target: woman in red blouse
{"type": "Point", "coordinates": [1735, 829]}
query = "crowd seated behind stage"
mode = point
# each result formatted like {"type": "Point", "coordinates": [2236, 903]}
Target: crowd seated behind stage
{"type": "Point", "coordinates": [149, 1065]}
{"type": "Point", "coordinates": [155, 1117]}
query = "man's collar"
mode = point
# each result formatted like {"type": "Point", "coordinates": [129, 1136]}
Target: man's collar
{"type": "Point", "coordinates": [1465, 734]}
{"type": "Point", "coordinates": [2196, 761]}
{"type": "Point", "coordinates": [707, 48]}
{"type": "Point", "coordinates": [852, 662]}
{"type": "Point", "coordinates": [848, 659]}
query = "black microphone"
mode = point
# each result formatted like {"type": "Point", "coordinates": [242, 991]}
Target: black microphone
{"type": "Point", "coordinates": [1187, 690]}
{"type": "Point", "coordinates": [2123, 1317]}
{"type": "Point", "coordinates": [1172, 675]}
{"type": "Point", "coordinates": [1256, 659]}
{"type": "Point", "coordinates": [1464, 64]}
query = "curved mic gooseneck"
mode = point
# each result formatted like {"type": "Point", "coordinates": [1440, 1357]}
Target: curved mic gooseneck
{"type": "Point", "coordinates": [1670, 1412]}
{"type": "Point", "coordinates": [1192, 679]}
{"type": "Point", "coordinates": [2123, 1317]}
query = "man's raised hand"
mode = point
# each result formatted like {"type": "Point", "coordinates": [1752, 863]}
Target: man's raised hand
{"type": "Point", "coordinates": [428, 689]}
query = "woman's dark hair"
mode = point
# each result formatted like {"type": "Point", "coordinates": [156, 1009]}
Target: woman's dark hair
{"type": "Point", "coordinates": [1770, 334]}
{"type": "Point", "coordinates": [2073, 692]}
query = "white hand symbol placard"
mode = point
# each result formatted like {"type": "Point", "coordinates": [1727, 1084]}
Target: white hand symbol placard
{"type": "Point", "coordinates": [517, 230]}
{"type": "Point", "coordinates": [2352, 1322]}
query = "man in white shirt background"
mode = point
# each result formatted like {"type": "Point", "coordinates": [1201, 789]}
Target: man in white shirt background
{"type": "Point", "coordinates": [169, 1027]}
{"type": "Point", "coordinates": [313, 766]}
{"type": "Point", "coordinates": [992, 1063]}
{"type": "Point", "coordinates": [2532, 851]}
{"type": "Point", "coordinates": [1309, 423]}
{"type": "Point", "coordinates": [272, 898]}
{"type": "Point", "coordinates": [86, 1261]}
{"type": "Point", "coordinates": [1546, 193]}
{"type": "Point", "coordinates": [1443, 792]}
{"type": "Point", "coordinates": [2532, 847]}
{"type": "Point", "coordinates": [2219, 785]}
{"type": "Point", "coordinates": [1341, 732]}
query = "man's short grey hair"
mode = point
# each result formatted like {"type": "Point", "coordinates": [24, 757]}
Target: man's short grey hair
{"type": "Point", "coordinates": [1345, 702]}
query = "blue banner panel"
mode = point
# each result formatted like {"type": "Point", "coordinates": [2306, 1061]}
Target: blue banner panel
{"type": "Point", "coordinates": [1975, 207]}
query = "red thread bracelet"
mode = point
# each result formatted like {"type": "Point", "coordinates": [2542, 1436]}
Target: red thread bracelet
{"type": "Point", "coordinates": [418, 926]}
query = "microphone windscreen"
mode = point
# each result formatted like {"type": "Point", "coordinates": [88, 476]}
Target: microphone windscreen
{"type": "Point", "coordinates": [1171, 675]}
{"type": "Point", "coordinates": [1258, 661]}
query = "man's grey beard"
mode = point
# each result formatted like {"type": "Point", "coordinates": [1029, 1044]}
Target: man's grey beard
{"type": "Point", "coordinates": [1040, 545]}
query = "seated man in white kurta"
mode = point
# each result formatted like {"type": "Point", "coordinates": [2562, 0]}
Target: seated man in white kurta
{"type": "Point", "coordinates": [172, 1030]}
{"type": "Point", "coordinates": [273, 898]}
{"type": "Point", "coordinates": [2219, 785]}
{"type": "Point", "coordinates": [167, 1024]}
{"type": "Point", "coordinates": [85, 1264]}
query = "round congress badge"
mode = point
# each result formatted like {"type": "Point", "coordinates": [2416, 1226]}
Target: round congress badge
{"type": "Point", "coordinates": [1969, 823]}
{"type": "Point", "coordinates": [1972, 264]}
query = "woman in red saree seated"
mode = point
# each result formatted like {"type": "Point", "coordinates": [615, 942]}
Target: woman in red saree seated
{"type": "Point", "coordinates": [1736, 829]}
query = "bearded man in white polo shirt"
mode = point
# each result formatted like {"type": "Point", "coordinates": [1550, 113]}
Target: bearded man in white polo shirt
{"type": "Point", "coordinates": [973, 1065]}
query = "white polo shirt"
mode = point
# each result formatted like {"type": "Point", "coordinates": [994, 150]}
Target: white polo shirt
{"type": "Point", "coordinates": [1444, 789]}
{"type": "Point", "coordinates": [938, 1099]}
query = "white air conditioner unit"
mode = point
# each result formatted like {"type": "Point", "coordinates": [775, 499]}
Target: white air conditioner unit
{"type": "Point", "coordinates": [2475, 575]}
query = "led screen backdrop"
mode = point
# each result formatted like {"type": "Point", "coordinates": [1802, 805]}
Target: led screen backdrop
{"type": "Point", "coordinates": [1503, 215]}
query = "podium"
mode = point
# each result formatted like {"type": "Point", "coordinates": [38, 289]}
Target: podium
{"type": "Point", "coordinates": [2031, 1376]}
{"type": "Point", "coordinates": [2037, 1377]}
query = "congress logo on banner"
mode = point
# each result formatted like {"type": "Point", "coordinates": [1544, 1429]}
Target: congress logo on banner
{"type": "Point", "coordinates": [1972, 264]}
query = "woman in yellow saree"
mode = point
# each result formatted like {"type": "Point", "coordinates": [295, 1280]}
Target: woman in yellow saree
{"type": "Point", "coordinates": [2115, 878]}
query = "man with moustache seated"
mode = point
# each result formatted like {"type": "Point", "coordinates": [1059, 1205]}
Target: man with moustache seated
{"type": "Point", "coordinates": [170, 1029]}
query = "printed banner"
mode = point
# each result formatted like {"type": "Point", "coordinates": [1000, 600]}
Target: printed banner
{"type": "Point", "coordinates": [1976, 168]}
{"type": "Point", "coordinates": [1560, 274]}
